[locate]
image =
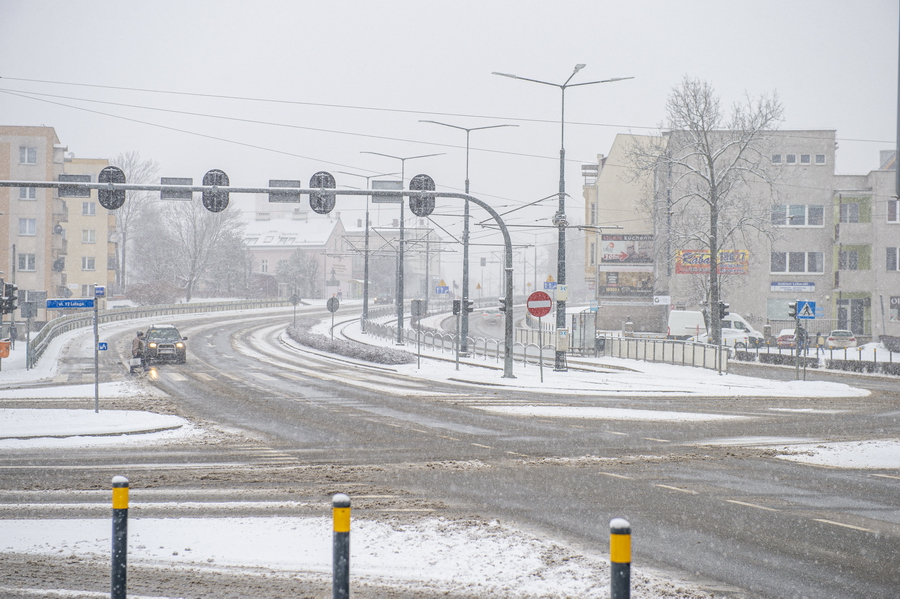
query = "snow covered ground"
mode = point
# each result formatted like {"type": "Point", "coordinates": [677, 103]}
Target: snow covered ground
{"type": "Point", "coordinates": [428, 553]}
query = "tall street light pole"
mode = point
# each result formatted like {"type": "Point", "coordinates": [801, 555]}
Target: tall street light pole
{"type": "Point", "coordinates": [464, 324]}
{"type": "Point", "coordinates": [365, 310]}
{"type": "Point", "coordinates": [559, 219]}
{"type": "Point", "coordinates": [402, 160]}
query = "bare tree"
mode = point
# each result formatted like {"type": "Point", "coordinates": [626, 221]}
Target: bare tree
{"type": "Point", "coordinates": [299, 272]}
{"type": "Point", "coordinates": [196, 235]}
{"type": "Point", "coordinates": [136, 171]}
{"type": "Point", "coordinates": [705, 168]}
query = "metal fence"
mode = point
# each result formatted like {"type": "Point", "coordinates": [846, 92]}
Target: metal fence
{"type": "Point", "coordinates": [64, 324]}
{"type": "Point", "coordinates": [669, 351]}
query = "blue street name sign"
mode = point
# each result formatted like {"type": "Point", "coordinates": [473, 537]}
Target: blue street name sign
{"type": "Point", "coordinates": [99, 291]}
{"type": "Point", "coordinates": [102, 346]}
{"type": "Point", "coordinates": [806, 310]}
{"type": "Point", "coordinates": [57, 304]}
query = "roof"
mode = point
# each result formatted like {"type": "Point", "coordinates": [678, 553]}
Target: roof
{"type": "Point", "coordinates": [286, 232]}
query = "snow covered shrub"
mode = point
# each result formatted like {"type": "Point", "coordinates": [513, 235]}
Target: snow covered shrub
{"type": "Point", "coordinates": [351, 349]}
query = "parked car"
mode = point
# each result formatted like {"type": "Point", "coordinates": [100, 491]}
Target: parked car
{"type": "Point", "coordinates": [732, 337]}
{"type": "Point", "coordinates": [786, 338]}
{"type": "Point", "coordinates": [840, 338]}
{"type": "Point", "coordinates": [163, 343]}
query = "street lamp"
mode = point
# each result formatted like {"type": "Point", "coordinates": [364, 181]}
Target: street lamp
{"type": "Point", "coordinates": [365, 312]}
{"type": "Point", "coordinates": [559, 219]}
{"type": "Point", "coordinates": [464, 326]}
{"type": "Point", "coordinates": [402, 160]}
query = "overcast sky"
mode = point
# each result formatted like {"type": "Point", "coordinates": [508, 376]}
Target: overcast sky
{"type": "Point", "coordinates": [310, 85]}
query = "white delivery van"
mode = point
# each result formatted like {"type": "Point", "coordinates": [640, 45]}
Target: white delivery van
{"type": "Point", "coordinates": [685, 323]}
{"type": "Point", "coordinates": [736, 321]}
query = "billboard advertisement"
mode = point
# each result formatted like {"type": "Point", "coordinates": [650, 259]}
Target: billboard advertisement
{"type": "Point", "coordinates": [626, 249]}
{"type": "Point", "coordinates": [693, 262]}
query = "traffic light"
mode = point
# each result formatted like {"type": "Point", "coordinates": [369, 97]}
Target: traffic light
{"type": "Point", "coordinates": [111, 199]}
{"type": "Point", "coordinates": [421, 205]}
{"type": "Point", "coordinates": [322, 202]}
{"type": "Point", "coordinates": [792, 309]}
{"type": "Point", "coordinates": [215, 201]}
{"type": "Point", "coordinates": [10, 299]}
{"type": "Point", "coordinates": [723, 310]}
{"type": "Point", "coordinates": [470, 305]}
{"type": "Point", "coordinates": [502, 304]}
{"type": "Point", "coordinates": [456, 307]}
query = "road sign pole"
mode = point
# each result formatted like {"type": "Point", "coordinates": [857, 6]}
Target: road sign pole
{"type": "Point", "coordinates": [541, 345]}
{"type": "Point", "coordinates": [96, 357]}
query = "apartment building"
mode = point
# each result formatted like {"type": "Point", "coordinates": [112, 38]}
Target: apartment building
{"type": "Point", "coordinates": [33, 244]}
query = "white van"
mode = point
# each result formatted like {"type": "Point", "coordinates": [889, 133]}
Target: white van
{"type": "Point", "coordinates": [685, 323]}
{"type": "Point", "coordinates": [736, 321]}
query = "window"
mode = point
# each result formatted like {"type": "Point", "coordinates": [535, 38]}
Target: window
{"type": "Point", "coordinates": [27, 226]}
{"type": "Point", "coordinates": [264, 265]}
{"type": "Point", "coordinates": [848, 260]}
{"type": "Point", "coordinates": [593, 253]}
{"type": "Point", "coordinates": [791, 159]}
{"type": "Point", "coordinates": [893, 259]}
{"type": "Point", "coordinates": [804, 159]}
{"type": "Point", "coordinates": [88, 236]}
{"type": "Point", "coordinates": [593, 213]}
{"type": "Point", "coordinates": [26, 262]}
{"type": "Point", "coordinates": [776, 158]}
{"type": "Point", "coordinates": [850, 213]}
{"type": "Point", "coordinates": [798, 215]}
{"type": "Point", "coordinates": [820, 158]}
{"type": "Point", "coordinates": [893, 211]}
{"type": "Point", "coordinates": [797, 262]}
{"type": "Point", "coordinates": [27, 155]}
{"type": "Point", "coordinates": [88, 208]}
{"type": "Point", "coordinates": [88, 263]}
{"type": "Point", "coordinates": [27, 193]}
{"type": "Point", "coordinates": [268, 239]}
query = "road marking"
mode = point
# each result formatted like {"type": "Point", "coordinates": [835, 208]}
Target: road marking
{"type": "Point", "coordinates": [446, 437]}
{"type": "Point", "coordinates": [521, 455]}
{"type": "Point", "coordinates": [844, 525]}
{"type": "Point", "coordinates": [419, 431]}
{"type": "Point", "coordinates": [615, 433]}
{"type": "Point", "coordinates": [230, 376]}
{"type": "Point", "coordinates": [176, 377]}
{"type": "Point", "coordinates": [617, 475]}
{"type": "Point", "coordinates": [204, 377]}
{"type": "Point", "coordinates": [887, 476]}
{"type": "Point", "coordinates": [657, 440]}
{"type": "Point", "coordinates": [480, 445]}
{"type": "Point", "coordinates": [759, 507]}
{"type": "Point", "coordinates": [688, 491]}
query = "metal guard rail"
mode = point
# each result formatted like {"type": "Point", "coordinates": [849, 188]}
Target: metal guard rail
{"type": "Point", "coordinates": [64, 324]}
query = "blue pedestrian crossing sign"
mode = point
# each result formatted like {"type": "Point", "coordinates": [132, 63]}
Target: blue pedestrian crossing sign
{"type": "Point", "coordinates": [102, 346]}
{"type": "Point", "coordinates": [549, 283]}
{"type": "Point", "coordinates": [442, 288]}
{"type": "Point", "coordinates": [806, 310]}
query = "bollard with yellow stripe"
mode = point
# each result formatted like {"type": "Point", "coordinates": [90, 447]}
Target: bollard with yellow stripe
{"type": "Point", "coordinates": [620, 559]}
{"type": "Point", "coordinates": [119, 537]}
{"type": "Point", "coordinates": [340, 584]}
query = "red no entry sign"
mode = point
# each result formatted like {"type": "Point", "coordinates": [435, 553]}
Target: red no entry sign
{"type": "Point", "coordinates": [539, 304]}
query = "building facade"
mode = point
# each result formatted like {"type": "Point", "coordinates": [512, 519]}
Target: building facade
{"type": "Point", "coordinates": [803, 233]}
{"type": "Point", "coordinates": [33, 245]}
